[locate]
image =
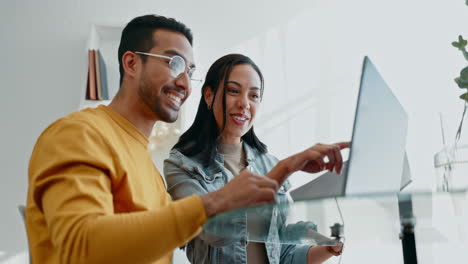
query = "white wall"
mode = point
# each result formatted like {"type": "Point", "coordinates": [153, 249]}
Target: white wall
{"type": "Point", "coordinates": [43, 63]}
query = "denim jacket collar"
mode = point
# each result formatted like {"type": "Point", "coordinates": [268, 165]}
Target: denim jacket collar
{"type": "Point", "coordinates": [207, 172]}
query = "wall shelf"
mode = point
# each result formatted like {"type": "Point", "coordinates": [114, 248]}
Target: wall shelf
{"type": "Point", "coordinates": [104, 38]}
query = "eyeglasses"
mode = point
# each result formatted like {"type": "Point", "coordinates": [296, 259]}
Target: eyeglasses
{"type": "Point", "coordinates": [176, 64]}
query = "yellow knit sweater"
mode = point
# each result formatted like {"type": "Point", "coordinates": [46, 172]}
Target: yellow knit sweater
{"type": "Point", "coordinates": [95, 196]}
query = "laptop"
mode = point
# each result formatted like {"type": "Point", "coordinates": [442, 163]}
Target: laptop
{"type": "Point", "coordinates": [377, 160]}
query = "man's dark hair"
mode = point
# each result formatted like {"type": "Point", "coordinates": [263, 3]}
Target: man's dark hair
{"type": "Point", "coordinates": [138, 35]}
{"type": "Point", "coordinates": [202, 137]}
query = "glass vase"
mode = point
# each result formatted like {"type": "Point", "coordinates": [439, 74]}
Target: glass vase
{"type": "Point", "coordinates": [451, 164]}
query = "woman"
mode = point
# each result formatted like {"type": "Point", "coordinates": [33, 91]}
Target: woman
{"type": "Point", "coordinates": [220, 143]}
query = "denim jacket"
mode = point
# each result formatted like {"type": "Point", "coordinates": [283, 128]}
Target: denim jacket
{"type": "Point", "coordinates": [187, 176]}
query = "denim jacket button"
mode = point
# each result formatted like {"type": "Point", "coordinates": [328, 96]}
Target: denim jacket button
{"type": "Point", "coordinates": [243, 242]}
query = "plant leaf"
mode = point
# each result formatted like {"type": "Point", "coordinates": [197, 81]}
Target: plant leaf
{"type": "Point", "coordinates": [462, 81]}
{"type": "Point", "coordinates": [464, 73]}
{"type": "Point", "coordinates": [464, 96]}
{"type": "Point", "coordinates": [462, 42]}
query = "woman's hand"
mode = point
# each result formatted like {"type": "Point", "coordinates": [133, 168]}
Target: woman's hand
{"type": "Point", "coordinates": [336, 250]}
{"type": "Point", "coordinates": [311, 160]}
{"type": "Point", "coordinates": [319, 254]}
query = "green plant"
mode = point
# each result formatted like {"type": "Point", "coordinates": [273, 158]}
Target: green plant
{"type": "Point", "coordinates": [462, 80]}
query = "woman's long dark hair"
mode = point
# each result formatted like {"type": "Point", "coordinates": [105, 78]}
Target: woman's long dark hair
{"type": "Point", "coordinates": [202, 137]}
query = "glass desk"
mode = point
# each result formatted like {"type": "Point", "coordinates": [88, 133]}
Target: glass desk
{"type": "Point", "coordinates": [419, 227]}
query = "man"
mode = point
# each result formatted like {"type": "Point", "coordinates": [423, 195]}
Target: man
{"type": "Point", "coordinates": [94, 194]}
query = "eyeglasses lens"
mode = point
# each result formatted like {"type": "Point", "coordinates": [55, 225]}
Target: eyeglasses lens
{"type": "Point", "coordinates": [177, 65]}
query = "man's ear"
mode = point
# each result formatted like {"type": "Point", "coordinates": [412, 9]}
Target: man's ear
{"type": "Point", "coordinates": [130, 64]}
{"type": "Point", "coordinates": [208, 95]}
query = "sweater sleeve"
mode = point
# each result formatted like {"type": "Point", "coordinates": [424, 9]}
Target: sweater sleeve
{"type": "Point", "coordinates": [70, 169]}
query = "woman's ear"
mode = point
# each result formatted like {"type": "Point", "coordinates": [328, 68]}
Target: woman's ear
{"type": "Point", "coordinates": [208, 96]}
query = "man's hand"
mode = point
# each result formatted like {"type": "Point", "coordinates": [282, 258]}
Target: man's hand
{"type": "Point", "coordinates": [246, 189]}
{"type": "Point", "coordinates": [311, 160]}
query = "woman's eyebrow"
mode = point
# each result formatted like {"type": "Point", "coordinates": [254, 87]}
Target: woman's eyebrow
{"type": "Point", "coordinates": [255, 88]}
{"type": "Point", "coordinates": [234, 82]}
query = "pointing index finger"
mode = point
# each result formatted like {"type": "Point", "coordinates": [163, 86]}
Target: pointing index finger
{"type": "Point", "coordinates": [343, 145]}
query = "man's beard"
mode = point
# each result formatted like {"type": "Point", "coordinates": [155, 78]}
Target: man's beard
{"type": "Point", "coordinates": [155, 102]}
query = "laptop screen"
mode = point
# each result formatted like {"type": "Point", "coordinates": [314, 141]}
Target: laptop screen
{"type": "Point", "coordinates": [379, 136]}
